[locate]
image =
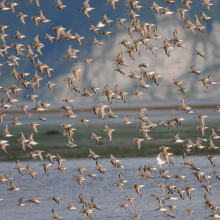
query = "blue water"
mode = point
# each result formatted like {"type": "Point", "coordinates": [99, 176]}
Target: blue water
{"type": "Point", "coordinates": [105, 194]}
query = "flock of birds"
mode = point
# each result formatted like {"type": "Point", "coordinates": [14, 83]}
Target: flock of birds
{"type": "Point", "coordinates": [146, 33]}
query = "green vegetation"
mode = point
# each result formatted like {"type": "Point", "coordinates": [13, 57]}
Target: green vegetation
{"type": "Point", "coordinates": [51, 140]}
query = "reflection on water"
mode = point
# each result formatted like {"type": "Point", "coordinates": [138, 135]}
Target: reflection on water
{"type": "Point", "coordinates": [105, 194]}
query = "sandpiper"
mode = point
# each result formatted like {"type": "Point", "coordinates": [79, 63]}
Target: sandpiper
{"type": "Point", "coordinates": [3, 146]}
{"type": "Point", "coordinates": [87, 212]}
{"type": "Point", "coordinates": [3, 179]}
{"type": "Point", "coordinates": [93, 155]}
{"type": "Point", "coordinates": [198, 175]}
{"type": "Point", "coordinates": [106, 20]}
{"type": "Point", "coordinates": [119, 185]}
{"type": "Point", "coordinates": [33, 125]}
{"type": "Point", "coordinates": [182, 12]}
{"type": "Point", "coordinates": [111, 114]}
{"type": "Point", "coordinates": [161, 208]}
{"type": "Point", "coordinates": [96, 137]}
{"type": "Point", "coordinates": [70, 205]}
{"type": "Point", "coordinates": [6, 132]}
{"type": "Point", "coordinates": [87, 60]}
{"type": "Point", "coordinates": [41, 118]}
{"type": "Point", "coordinates": [166, 11]}
{"type": "Point", "coordinates": [46, 165]}
{"type": "Point", "coordinates": [20, 202]}
{"type": "Point", "coordinates": [137, 188]}
{"type": "Point", "coordinates": [164, 174]}
{"type": "Point", "coordinates": [155, 7]}
{"type": "Point", "coordinates": [50, 157]}
{"type": "Point", "coordinates": [94, 89]}
{"type": "Point", "coordinates": [177, 139]}
{"type": "Point", "coordinates": [136, 217]}
{"type": "Point", "coordinates": [204, 16]}
{"type": "Point", "coordinates": [109, 133]}
{"type": "Point", "coordinates": [164, 148]}
{"type": "Point", "coordinates": [33, 199]}
{"type": "Point", "coordinates": [113, 160]}
{"type": "Point", "coordinates": [160, 162]}
{"type": "Point", "coordinates": [13, 186]}
{"type": "Point", "coordinates": [60, 5]}
{"type": "Point", "coordinates": [211, 145]}
{"type": "Point", "coordinates": [122, 179]}
{"type": "Point", "coordinates": [207, 4]}
{"type": "Point", "coordinates": [21, 16]}
{"type": "Point", "coordinates": [187, 2]}
{"type": "Point", "coordinates": [81, 200]}
{"type": "Point", "coordinates": [61, 168]}
{"type": "Point", "coordinates": [19, 167]}
{"type": "Point", "coordinates": [214, 215]}
{"type": "Point", "coordinates": [59, 159]}
{"type": "Point", "coordinates": [32, 154]}
{"type": "Point", "coordinates": [92, 175]}
{"type": "Point", "coordinates": [201, 118]}
{"type": "Point", "coordinates": [183, 90]}
{"type": "Point", "coordinates": [125, 120]}
{"type": "Point", "coordinates": [120, 20]}
{"type": "Point", "coordinates": [178, 176]}
{"type": "Point", "coordinates": [206, 187]}
{"type": "Point", "coordinates": [93, 28]}
{"type": "Point", "coordinates": [188, 189]}
{"type": "Point", "coordinates": [132, 14]}
{"type": "Point", "coordinates": [202, 130]}
{"type": "Point", "coordinates": [185, 160]}
{"type": "Point", "coordinates": [80, 170]}
{"type": "Point", "coordinates": [169, 214]}
{"type": "Point", "coordinates": [131, 200]}
{"type": "Point", "coordinates": [190, 211]}
{"type": "Point", "coordinates": [96, 42]}
{"type": "Point", "coordinates": [211, 159]}
{"type": "Point", "coordinates": [198, 25]}
{"type": "Point", "coordinates": [190, 26]}
{"type": "Point", "coordinates": [56, 199]}
{"type": "Point", "coordinates": [200, 53]}
{"type": "Point", "coordinates": [181, 192]}
{"type": "Point", "coordinates": [86, 8]}
{"type": "Point", "coordinates": [138, 94]}
{"type": "Point", "coordinates": [31, 172]}
{"type": "Point", "coordinates": [15, 121]}
{"type": "Point", "coordinates": [213, 134]}
{"type": "Point", "coordinates": [99, 167]}
{"type": "Point", "coordinates": [124, 206]}
{"type": "Point", "coordinates": [152, 49]}
{"type": "Point", "coordinates": [172, 207]}
{"type": "Point", "coordinates": [42, 19]}
{"type": "Point", "coordinates": [70, 143]}
{"type": "Point", "coordinates": [55, 215]}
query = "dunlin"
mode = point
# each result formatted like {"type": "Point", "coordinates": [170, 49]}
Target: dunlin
{"type": "Point", "coordinates": [46, 165]}
{"type": "Point", "coordinates": [70, 205]}
{"type": "Point", "coordinates": [33, 199]}
{"type": "Point", "coordinates": [137, 188]}
{"type": "Point", "coordinates": [55, 215]}
{"type": "Point", "coordinates": [20, 202]}
{"type": "Point", "coordinates": [188, 189]}
{"type": "Point", "coordinates": [190, 211]}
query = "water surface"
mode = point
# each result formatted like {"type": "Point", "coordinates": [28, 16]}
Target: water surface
{"type": "Point", "coordinates": [105, 194]}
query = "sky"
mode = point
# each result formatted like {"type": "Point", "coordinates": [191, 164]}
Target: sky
{"type": "Point", "coordinates": [102, 72]}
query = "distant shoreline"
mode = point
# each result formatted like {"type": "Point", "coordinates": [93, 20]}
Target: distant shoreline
{"type": "Point", "coordinates": [116, 108]}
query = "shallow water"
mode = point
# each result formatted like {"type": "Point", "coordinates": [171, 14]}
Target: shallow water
{"type": "Point", "coordinates": [105, 194]}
